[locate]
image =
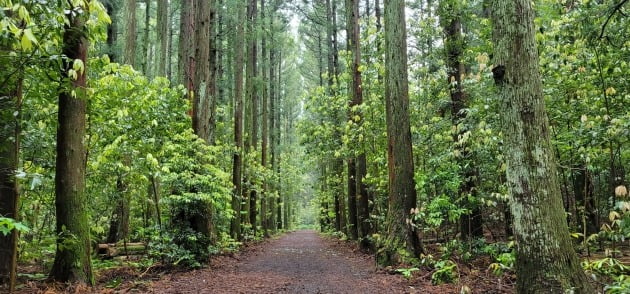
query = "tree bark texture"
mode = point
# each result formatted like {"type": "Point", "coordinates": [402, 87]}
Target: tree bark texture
{"type": "Point", "coordinates": [10, 100]}
{"type": "Point", "coordinates": [163, 36]}
{"type": "Point", "coordinates": [201, 99]}
{"type": "Point", "coordinates": [265, 121]}
{"type": "Point", "coordinates": [402, 193]}
{"type": "Point", "coordinates": [72, 258]}
{"type": "Point", "coordinates": [130, 32]}
{"type": "Point", "coordinates": [186, 69]}
{"type": "Point", "coordinates": [237, 163]}
{"type": "Point", "coordinates": [252, 95]}
{"type": "Point", "coordinates": [545, 259]}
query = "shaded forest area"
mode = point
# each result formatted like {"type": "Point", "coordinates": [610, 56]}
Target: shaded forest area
{"type": "Point", "coordinates": [445, 137]}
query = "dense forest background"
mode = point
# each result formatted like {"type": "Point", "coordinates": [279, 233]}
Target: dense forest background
{"type": "Point", "coordinates": [432, 132]}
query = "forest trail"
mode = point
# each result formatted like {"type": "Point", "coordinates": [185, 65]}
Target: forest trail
{"type": "Point", "coordinates": [298, 262]}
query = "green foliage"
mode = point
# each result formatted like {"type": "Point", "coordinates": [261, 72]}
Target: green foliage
{"type": "Point", "coordinates": [446, 271]}
{"type": "Point", "coordinates": [166, 249]}
{"type": "Point", "coordinates": [620, 285]}
{"type": "Point", "coordinates": [407, 272]}
{"type": "Point", "coordinates": [8, 224]}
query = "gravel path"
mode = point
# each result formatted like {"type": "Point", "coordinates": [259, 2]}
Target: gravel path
{"type": "Point", "coordinates": [298, 262]}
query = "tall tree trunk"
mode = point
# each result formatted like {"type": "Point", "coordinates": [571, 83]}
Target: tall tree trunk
{"type": "Point", "coordinates": [237, 165]}
{"type": "Point", "coordinates": [202, 71]}
{"type": "Point", "coordinates": [186, 68]}
{"type": "Point", "coordinates": [363, 213]}
{"type": "Point", "coordinates": [11, 93]}
{"type": "Point", "coordinates": [265, 119]}
{"type": "Point", "coordinates": [545, 259]}
{"type": "Point", "coordinates": [252, 95]}
{"type": "Point", "coordinates": [272, 127]}
{"type": "Point", "coordinates": [163, 36]}
{"type": "Point", "coordinates": [112, 30]}
{"type": "Point", "coordinates": [278, 138]}
{"type": "Point", "coordinates": [146, 51]}
{"type": "Point", "coordinates": [450, 18]}
{"type": "Point", "coordinates": [211, 89]}
{"type": "Point", "coordinates": [402, 193]}
{"type": "Point", "coordinates": [130, 32]}
{"type": "Point", "coordinates": [72, 258]}
{"type": "Point", "coordinates": [356, 98]}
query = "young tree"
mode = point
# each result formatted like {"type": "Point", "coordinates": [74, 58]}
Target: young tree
{"type": "Point", "coordinates": [545, 260]}
{"type": "Point", "coordinates": [72, 258]}
{"type": "Point", "coordinates": [402, 193]}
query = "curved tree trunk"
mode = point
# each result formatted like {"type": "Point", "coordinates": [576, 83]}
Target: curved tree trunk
{"type": "Point", "coordinates": [545, 259]}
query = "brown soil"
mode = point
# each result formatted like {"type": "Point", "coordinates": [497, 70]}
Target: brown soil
{"type": "Point", "coordinates": [298, 262]}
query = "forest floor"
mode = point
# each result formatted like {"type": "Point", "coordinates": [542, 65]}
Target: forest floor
{"type": "Point", "coordinates": [296, 262]}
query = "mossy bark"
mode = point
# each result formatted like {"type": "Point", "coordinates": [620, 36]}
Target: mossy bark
{"type": "Point", "coordinates": [402, 240]}
{"type": "Point", "coordinates": [72, 258]}
{"type": "Point", "coordinates": [545, 259]}
{"type": "Point", "coordinates": [10, 99]}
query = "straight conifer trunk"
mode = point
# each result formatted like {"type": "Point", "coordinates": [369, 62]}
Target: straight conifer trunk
{"type": "Point", "coordinates": [72, 258]}
{"type": "Point", "coordinates": [402, 193]}
{"type": "Point", "coordinates": [162, 36]}
{"type": "Point", "coordinates": [265, 121]}
{"type": "Point", "coordinates": [237, 163]}
{"type": "Point", "coordinates": [545, 259]}
{"type": "Point", "coordinates": [130, 32]}
{"type": "Point", "coordinates": [252, 95]}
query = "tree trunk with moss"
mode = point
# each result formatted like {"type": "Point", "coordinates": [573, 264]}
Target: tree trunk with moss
{"type": "Point", "coordinates": [72, 258]}
{"type": "Point", "coordinates": [402, 240]}
{"type": "Point", "coordinates": [10, 100]}
{"type": "Point", "coordinates": [545, 259]}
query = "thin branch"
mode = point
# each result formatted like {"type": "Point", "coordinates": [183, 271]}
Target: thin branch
{"type": "Point", "coordinates": [615, 9]}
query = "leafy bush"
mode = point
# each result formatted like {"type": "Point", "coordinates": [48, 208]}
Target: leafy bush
{"type": "Point", "coordinates": [446, 271]}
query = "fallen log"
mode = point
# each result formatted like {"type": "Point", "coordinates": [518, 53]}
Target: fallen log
{"type": "Point", "coordinates": [109, 250]}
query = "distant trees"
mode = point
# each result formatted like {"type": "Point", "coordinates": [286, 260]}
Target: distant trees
{"type": "Point", "coordinates": [454, 45]}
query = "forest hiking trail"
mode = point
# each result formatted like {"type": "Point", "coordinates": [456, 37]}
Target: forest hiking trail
{"type": "Point", "coordinates": [298, 262]}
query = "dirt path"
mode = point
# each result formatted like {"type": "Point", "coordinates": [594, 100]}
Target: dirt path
{"type": "Point", "coordinates": [298, 262]}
